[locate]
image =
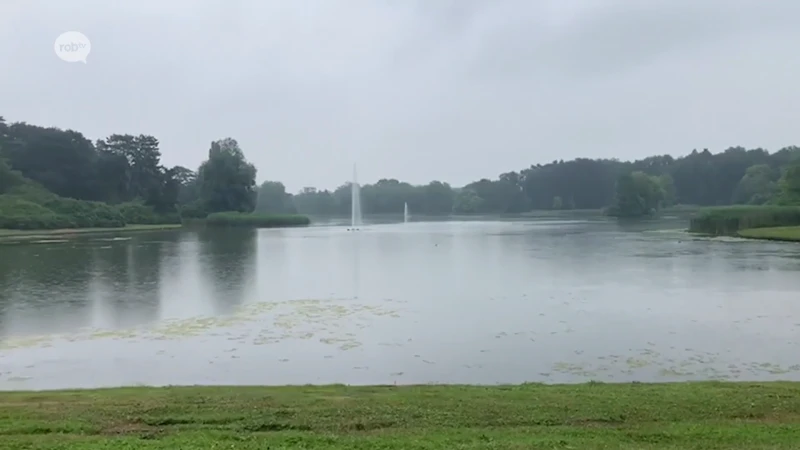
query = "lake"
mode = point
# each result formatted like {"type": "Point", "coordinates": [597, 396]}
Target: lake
{"type": "Point", "coordinates": [554, 300]}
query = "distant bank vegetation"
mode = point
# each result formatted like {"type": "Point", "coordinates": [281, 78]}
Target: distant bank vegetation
{"type": "Point", "coordinates": [641, 188]}
{"type": "Point", "coordinates": [33, 208]}
{"type": "Point", "coordinates": [56, 179]}
{"type": "Point", "coordinates": [52, 178]}
{"type": "Point", "coordinates": [729, 221]}
{"type": "Point", "coordinates": [774, 203]}
{"type": "Point", "coordinates": [232, 219]}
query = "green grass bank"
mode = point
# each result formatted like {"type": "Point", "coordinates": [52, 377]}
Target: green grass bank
{"type": "Point", "coordinates": [783, 234]}
{"type": "Point", "coordinates": [237, 219]}
{"type": "Point", "coordinates": [709, 415]}
{"type": "Point", "coordinates": [27, 235]}
{"type": "Point", "coordinates": [730, 220]}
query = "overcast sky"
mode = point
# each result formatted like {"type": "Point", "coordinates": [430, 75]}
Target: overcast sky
{"type": "Point", "coordinates": [454, 90]}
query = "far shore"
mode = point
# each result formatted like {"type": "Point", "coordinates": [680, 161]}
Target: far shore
{"type": "Point", "coordinates": [779, 234]}
{"type": "Point", "coordinates": [6, 234]}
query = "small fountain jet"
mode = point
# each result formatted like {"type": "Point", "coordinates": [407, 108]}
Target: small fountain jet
{"type": "Point", "coordinates": [355, 207]}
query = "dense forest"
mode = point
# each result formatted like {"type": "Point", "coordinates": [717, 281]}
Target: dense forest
{"type": "Point", "coordinates": [734, 176]}
{"type": "Point", "coordinates": [53, 178]}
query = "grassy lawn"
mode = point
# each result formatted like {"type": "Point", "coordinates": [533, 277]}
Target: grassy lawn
{"type": "Point", "coordinates": [44, 234]}
{"type": "Point", "coordinates": [790, 234]}
{"type": "Point", "coordinates": [589, 416]}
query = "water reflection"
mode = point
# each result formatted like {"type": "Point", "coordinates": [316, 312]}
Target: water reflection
{"type": "Point", "coordinates": [356, 267]}
{"type": "Point", "coordinates": [44, 287]}
{"type": "Point", "coordinates": [185, 290]}
{"type": "Point", "coordinates": [7, 281]}
{"type": "Point", "coordinates": [130, 278]}
{"type": "Point", "coordinates": [228, 261]}
{"type": "Point", "coordinates": [85, 283]}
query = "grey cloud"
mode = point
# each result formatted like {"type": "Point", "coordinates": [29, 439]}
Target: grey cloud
{"type": "Point", "coordinates": [418, 90]}
{"type": "Point", "coordinates": [622, 35]}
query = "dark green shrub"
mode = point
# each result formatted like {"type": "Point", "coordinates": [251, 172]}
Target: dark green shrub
{"type": "Point", "coordinates": [9, 178]}
{"type": "Point", "coordinates": [19, 214]}
{"type": "Point", "coordinates": [86, 214]}
{"type": "Point", "coordinates": [256, 220]}
{"type": "Point", "coordinates": [136, 213]}
{"type": "Point", "coordinates": [194, 210]}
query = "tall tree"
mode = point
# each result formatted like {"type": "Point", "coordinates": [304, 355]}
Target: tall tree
{"type": "Point", "coordinates": [62, 161]}
{"type": "Point", "coordinates": [638, 194]}
{"type": "Point", "coordinates": [9, 178]}
{"type": "Point", "coordinates": [227, 180]}
{"type": "Point", "coordinates": [437, 198]}
{"type": "Point", "coordinates": [130, 169]}
{"type": "Point", "coordinates": [667, 185]}
{"type": "Point", "coordinates": [790, 185]}
{"type": "Point", "coordinates": [189, 189]}
{"type": "Point", "coordinates": [757, 186]}
{"type": "Point", "coordinates": [273, 198]}
{"type": "Point", "coordinates": [3, 133]}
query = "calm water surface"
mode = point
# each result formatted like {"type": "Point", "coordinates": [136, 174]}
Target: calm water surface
{"type": "Point", "coordinates": [548, 300]}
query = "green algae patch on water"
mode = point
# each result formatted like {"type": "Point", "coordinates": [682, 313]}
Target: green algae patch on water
{"type": "Point", "coordinates": [646, 364]}
{"type": "Point", "coordinates": [261, 323]}
{"type": "Point", "coordinates": [294, 319]}
{"type": "Point", "coordinates": [674, 373]}
{"type": "Point", "coordinates": [305, 320]}
{"type": "Point", "coordinates": [110, 334]}
{"type": "Point", "coordinates": [700, 416]}
{"type": "Point", "coordinates": [26, 342]}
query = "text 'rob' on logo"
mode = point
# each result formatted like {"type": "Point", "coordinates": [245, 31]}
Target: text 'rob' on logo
{"type": "Point", "coordinates": [72, 46]}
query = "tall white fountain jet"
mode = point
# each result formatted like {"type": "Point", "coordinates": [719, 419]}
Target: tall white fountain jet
{"type": "Point", "coordinates": [355, 220]}
{"type": "Point", "coordinates": [405, 213]}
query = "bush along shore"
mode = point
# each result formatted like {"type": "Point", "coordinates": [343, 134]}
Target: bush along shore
{"type": "Point", "coordinates": [735, 220]}
{"type": "Point", "coordinates": [50, 212]}
{"type": "Point", "coordinates": [35, 212]}
{"type": "Point", "coordinates": [706, 415]}
{"type": "Point", "coordinates": [237, 219]}
{"type": "Point", "coordinates": [28, 207]}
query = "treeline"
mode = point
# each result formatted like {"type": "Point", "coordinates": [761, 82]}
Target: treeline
{"type": "Point", "coordinates": [53, 178]}
{"type": "Point", "coordinates": [734, 176]}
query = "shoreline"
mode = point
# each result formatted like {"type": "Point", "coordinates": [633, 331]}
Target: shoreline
{"type": "Point", "coordinates": [698, 415]}
{"type": "Point", "coordinates": [785, 234]}
{"type": "Point", "coordinates": [775, 234]}
{"type": "Point", "coordinates": [26, 235]}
